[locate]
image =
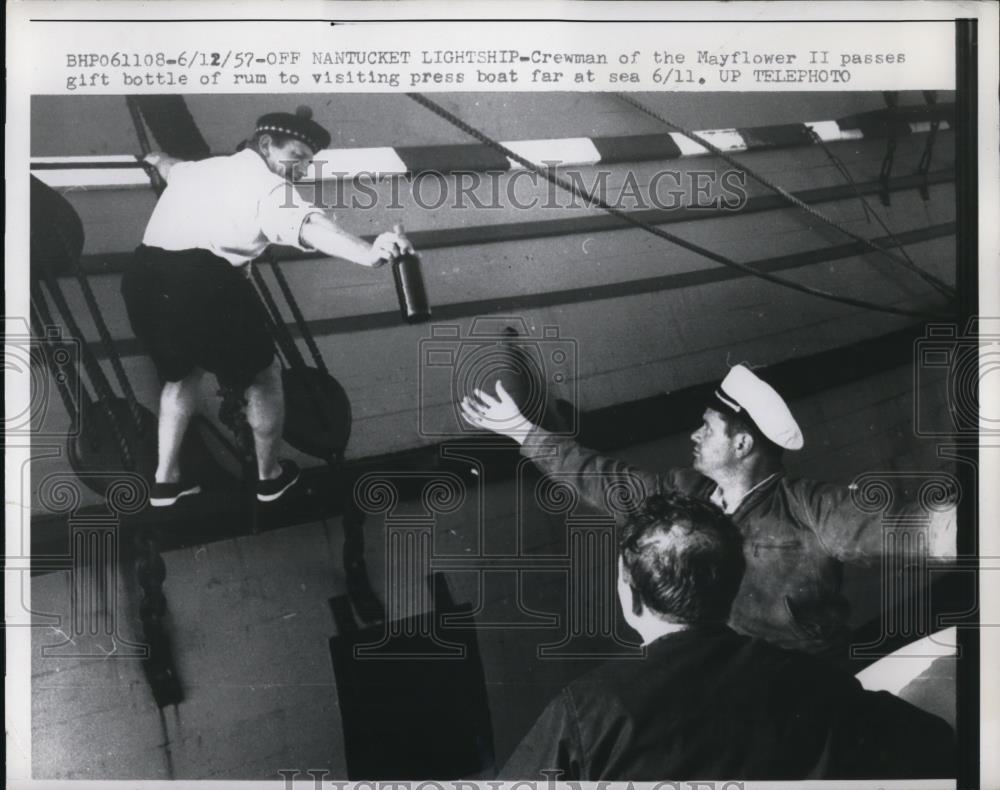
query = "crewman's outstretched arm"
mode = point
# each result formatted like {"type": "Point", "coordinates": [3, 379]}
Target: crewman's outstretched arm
{"type": "Point", "coordinates": [605, 483]}
{"type": "Point", "coordinates": [862, 535]}
{"type": "Point", "coordinates": [321, 233]}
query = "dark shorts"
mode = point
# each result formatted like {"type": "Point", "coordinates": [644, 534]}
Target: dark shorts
{"type": "Point", "coordinates": [194, 309]}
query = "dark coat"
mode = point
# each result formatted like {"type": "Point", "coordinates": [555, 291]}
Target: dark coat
{"type": "Point", "coordinates": [708, 703]}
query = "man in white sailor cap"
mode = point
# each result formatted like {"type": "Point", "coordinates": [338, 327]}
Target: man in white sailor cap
{"type": "Point", "coordinates": [189, 298]}
{"type": "Point", "coordinates": [797, 533]}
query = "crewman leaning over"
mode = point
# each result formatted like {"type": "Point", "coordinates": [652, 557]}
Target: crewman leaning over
{"type": "Point", "coordinates": [189, 298]}
{"type": "Point", "coordinates": [797, 533]}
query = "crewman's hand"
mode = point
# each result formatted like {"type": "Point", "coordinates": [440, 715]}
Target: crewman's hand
{"type": "Point", "coordinates": [386, 247]}
{"type": "Point", "coordinates": [390, 245]}
{"type": "Point", "coordinates": [500, 414]}
{"type": "Point", "coordinates": [398, 230]}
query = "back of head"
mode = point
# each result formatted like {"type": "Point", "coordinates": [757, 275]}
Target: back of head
{"type": "Point", "coordinates": [683, 559]}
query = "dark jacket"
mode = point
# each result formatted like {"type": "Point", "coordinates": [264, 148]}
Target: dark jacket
{"type": "Point", "coordinates": [707, 703]}
{"type": "Point", "coordinates": [797, 534]}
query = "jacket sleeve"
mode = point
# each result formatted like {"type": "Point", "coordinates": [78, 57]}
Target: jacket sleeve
{"type": "Point", "coordinates": [886, 737]}
{"type": "Point", "coordinates": [604, 483]}
{"type": "Point", "coordinates": [853, 534]}
{"type": "Point", "coordinates": [552, 745]}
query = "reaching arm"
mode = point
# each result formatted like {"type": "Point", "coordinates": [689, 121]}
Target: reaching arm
{"type": "Point", "coordinates": [854, 535]}
{"type": "Point", "coordinates": [605, 483]}
{"type": "Point", "coordinates": [319, 232]}
{"type": "Point", "coordinates": [499, 414]}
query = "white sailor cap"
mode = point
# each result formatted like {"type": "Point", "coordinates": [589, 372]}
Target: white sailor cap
{"type": "Point", "coordinates": [741, 392]}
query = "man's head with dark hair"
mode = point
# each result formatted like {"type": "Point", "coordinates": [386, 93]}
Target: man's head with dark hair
{"type": "Point", "coordinates": [682, 559]}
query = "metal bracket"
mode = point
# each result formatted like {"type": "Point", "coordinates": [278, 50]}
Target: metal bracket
{"type": "Point", "coordinates": [885, 172]}
{"type": "Point", "coordinates": [923, 167]}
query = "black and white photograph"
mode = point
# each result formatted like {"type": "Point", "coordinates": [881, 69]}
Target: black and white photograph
{"type": "Point", "coordinates": [425, 416]}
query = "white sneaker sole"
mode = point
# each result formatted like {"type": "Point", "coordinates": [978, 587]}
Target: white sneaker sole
{"type": "Point", "coordinates": [168, 501]}
{"type": "Point", "coordinates": [278, 494]}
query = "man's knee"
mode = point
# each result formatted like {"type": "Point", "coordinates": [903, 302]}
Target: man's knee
{"type": "Point", "coordinates": [184, 389]}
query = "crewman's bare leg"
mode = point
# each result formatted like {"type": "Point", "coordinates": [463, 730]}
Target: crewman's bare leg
{"type": "Point", "coordinates": [266, 415]}
{"type": "Point", "coordinates": [177, 404]}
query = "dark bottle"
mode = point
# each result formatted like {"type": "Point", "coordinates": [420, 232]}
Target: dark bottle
{"type": "Point", "coordinates": [410, 289]}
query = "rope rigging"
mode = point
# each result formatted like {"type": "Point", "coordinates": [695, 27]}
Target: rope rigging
{"type": "Point", "coordinates": [282, 335]}
{"type": "Point", "coordinates": [871, 213]}
{"type": "Point", "coordinates": [300, 320]}
{"type": "Point", "coordinates": [591, 199]}
{"type": "Point", "coordinates": [132, 426]}
{"type": "Point", "coordinates": [96, 375]}
{"type": "Point", "coordinates": [905, 262]}
{"type": "Point", "coordinates": [108, 343]}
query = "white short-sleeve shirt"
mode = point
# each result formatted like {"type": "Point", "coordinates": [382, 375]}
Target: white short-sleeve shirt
{"type": "Point", "coordinates": [232, 206]}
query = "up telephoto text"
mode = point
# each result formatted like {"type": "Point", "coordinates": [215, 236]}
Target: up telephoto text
{"type": "Point", "coordinates": [468, 67]}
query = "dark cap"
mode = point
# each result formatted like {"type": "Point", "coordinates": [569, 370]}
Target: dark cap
{"type": "Point", "coordinates": [299, 126]}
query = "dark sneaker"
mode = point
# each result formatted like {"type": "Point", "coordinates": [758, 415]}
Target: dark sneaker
{"type": "Point", "coordinates": [269, 490]}
{"type": "Point", "coordinates": [165, 494]}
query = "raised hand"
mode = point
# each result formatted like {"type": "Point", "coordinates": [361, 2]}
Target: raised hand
{"type": "Point", "coordinates": [499, 414]}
